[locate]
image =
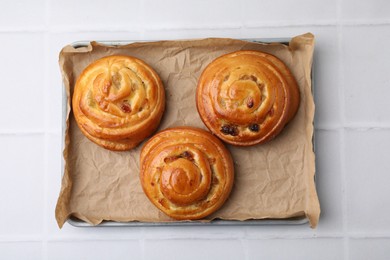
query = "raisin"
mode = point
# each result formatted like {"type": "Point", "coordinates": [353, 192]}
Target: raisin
{"type": "Point", "coordinates": [248, 77]}
{"type": "Point", "coordinates": [225, 129]}
{"type": "Point", "coordinates": [233, 131]}
{"type": "Point", "coordinates": [187, 155]}
{"type": "Point", "coordinates": [253, 78]}
{"type": "Point", "coordinates": [229, 130]}
{"type": "Point", "coordinates": [249, 102]}
{"type": "Point", "coordinates": [254, 127]}
{"type": "Point", "coordinates": [125, 106]}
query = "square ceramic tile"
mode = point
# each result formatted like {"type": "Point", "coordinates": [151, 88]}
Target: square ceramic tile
{"type": "Point", "coordinates": [365, 10]}
{"type": "Point", "coordinates": [54, 166]}
{"type": "Point", "coordinates": [95, 15]}
{"type": "Point", "coordinates": [21, 250]}
{"type": "Point", "coordinates": [21, 193]}
{"type": "Point", "coordinates": [326, 78]}
{"type": "Point", "coordinates": [104, 249]}
{"type": "Point", "coordinates": [192, 14]}
{"type": "Point", "coordinates": [329, 182]}
{"type": "Point", "coordinates": [369, 248]}
{"type": "Point", "coordinates": [365, 73]}
{"type": "Point", "coordinates": [283, 31]}
{"type": "Point", "coordinates": [315, 248]}
{"type": "Point", "coordinates": [195, 232]}
{"type": "Point", "coordinates": [194, 249]}
{"type": "Point", "coordinates": [175, 34]}
{"type": "Point", "coordinates": [22, 70]}
{"type": "Point", "coordinates": [22, 14]}
{"type": "Point", "coordinates": [367, 166]}
{"type": "Point", "coordinates": [260, 13]}
{"type": "Point", "coordinates": [326, 88]}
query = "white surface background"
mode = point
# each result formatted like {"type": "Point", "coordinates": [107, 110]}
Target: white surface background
{"type": "Point", "coordinates": [352, 92]}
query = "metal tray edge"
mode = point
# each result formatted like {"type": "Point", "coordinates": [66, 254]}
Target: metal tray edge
{"type": "Point", "coordinates": [258, 222]}
{"type": "Point", "coordinates": [80, 223]}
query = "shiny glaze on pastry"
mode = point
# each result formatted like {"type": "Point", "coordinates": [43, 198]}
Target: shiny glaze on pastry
{"type": "Point", "coordinates": [247, 97]}
{"type": "Point", "coordinates": [118, 101]}
{"type": "Point", "coordinates": [186, 172]}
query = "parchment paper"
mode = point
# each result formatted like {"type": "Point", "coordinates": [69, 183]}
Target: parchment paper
{"type": "Point", "coordinates": [274, 180]}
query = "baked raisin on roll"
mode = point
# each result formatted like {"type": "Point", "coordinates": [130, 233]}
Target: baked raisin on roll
{"type": "Point", "coordinates": [247, 97]}
{"type": "Point", "coordinates": [186, 172]}
{"type": "Point", "coordinates": [118, 101]}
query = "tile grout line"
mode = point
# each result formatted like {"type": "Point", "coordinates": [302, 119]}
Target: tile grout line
{"type": "Point", "coordinates": [69, 238]}
{"type": "Point", "coordinates": [275, 24]}
{"type": "Point", "coordinates": [30, 132]}
{"type": "Point", "coordinates": [365, 22]}
{"type": "Point", "coordinates": [363, 235]}
{"type": "Point", "coordinates": [45, 183]}
{"type": "Point", "coordinates": [47, 133]}
{"type": "Point", "coordinates": [22, 132]}
{"type": "Point", "coordinates": [67, 29]}
{"type": "Point", "coordinates": [286, 23]}
{"type": "Point", "coordinates": [18, 29]}
{"type": "Point", "coordinates": [344, 198]}
{"type": "Point", "coordinates": [20, 238]}
{"type": "Point", "coordinates": [342, 132]}
{"type": "Point", "coordinates": [72, 238]}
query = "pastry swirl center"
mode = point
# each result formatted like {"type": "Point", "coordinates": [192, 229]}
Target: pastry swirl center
{"type": "Point", "coordinates": [185, 175]}
{"type": "Point", "coordinates": [181, 176]}
{"type": "Point", "coordinates": [242, 97]}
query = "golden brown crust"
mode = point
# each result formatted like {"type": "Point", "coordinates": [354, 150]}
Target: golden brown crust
{"type": "Point", "coordinates": [118, 101]}
{"type": "Point", "coordinates": [186, 172]}
{"type": "Point", "coordinates": [247, 97]}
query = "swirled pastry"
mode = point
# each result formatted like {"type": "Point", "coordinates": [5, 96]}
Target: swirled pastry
{"type": "Point", "coordinates": [247, 97]}
{"type": "Point", "coordinates": [118, 101]}
{"type": "Point", "coordinates": [186, 172]}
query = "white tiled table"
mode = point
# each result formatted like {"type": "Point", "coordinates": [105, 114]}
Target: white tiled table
{"type": "Point", "coordinates": [352, 92]}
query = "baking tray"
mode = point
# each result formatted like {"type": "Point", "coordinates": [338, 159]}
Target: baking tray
{"type": "Point", "coordinates": [216, 222]}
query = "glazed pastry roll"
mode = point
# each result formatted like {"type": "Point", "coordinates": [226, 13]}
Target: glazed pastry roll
{"type": "Point", "coordinates": [118, 101]}
{"type": "Point", "coordinates": [247, 97]}
{"type": "Point", "coordinates": [186, 172]}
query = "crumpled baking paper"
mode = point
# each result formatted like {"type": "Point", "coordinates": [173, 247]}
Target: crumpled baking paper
{"type": "Point", "coordinates": [272, 181]}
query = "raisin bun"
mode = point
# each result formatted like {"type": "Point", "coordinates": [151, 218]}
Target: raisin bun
{"type": "Point", "coordinates": [247, 97]}
{"type": "Point", "coordinates": [186, 172]}
{"type": "Point", "coordinates": [118, 101]}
